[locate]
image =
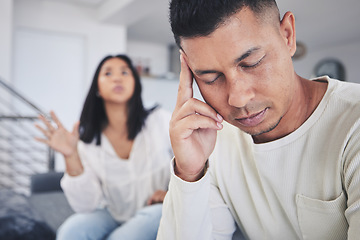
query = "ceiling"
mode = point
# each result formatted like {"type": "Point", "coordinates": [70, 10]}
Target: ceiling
{"type": "Point", "coordinates": [319, 23]}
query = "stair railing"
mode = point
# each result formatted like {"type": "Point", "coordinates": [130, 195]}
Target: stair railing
{"type": "Point", "coordinates": [20, 155]}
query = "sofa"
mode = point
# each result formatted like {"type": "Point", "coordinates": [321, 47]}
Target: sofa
{"type": "Point", "coordinates": [36, 216]}
{"type": "Point", "coordinates": [48, 199]}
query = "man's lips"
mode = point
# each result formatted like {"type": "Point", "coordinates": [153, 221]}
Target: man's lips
{"type": "Point", "coordinates": [252, 120]}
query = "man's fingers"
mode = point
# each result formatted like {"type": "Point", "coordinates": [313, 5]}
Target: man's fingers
{"type": "Point", "coordinates": [185, 127]}
{"type": "Point", "coordinates": [185, 91]}
{"type": "Point", "coordinates": [195, 106]}
{"type": "Point", "coordinates": [186, 104]}
{"type": "Point", "coordinates": [197, 121]}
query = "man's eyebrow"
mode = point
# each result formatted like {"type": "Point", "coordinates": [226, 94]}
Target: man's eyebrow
{"type": "Point", "coordinates": [239, 59]}
{"type": "Point", "coordinates": [203, 72]}
{"type": "Point", "coordinates": [246, 54]}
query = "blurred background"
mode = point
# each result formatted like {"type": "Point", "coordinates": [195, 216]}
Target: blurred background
{"type": "Point", "coordinates": [49, 50]}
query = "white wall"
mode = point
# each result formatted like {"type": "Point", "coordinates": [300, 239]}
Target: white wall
{"type": "Point", "coordinates": [6, 15]}
{"type": "Point", "coordinates": [101, 39]}
{"type": "Point", "coordinates": [49, 70]}
{"type": "Point", "coordinates": [347, 53]}
{"type": "Point", "coordinates": [6, 7]}
{"type": "Point", "coordinates": [58, 47]}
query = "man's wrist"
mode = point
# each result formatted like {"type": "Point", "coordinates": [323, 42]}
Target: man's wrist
{"type": "Point", "coordinates": [190, 177]}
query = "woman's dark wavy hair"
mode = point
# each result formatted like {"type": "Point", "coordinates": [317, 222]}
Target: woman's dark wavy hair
{"type": "Point", "coordinates": [93, 117]}
{"type": "Point", "coordinates": [196, 18]}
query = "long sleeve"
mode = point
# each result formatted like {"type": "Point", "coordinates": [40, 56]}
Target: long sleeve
{"type": "Point", "coordinates": [352, 184]}
{"type": "Point", "coordinates": [188, 212]}
{"type": "Point", "coordinates": [83, 192]}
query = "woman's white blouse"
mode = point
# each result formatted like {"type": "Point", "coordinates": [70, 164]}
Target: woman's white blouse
{"type": "Point", "coordinates": [122, 186]}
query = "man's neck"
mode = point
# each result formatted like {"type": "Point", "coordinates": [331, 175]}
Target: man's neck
{"type": "Point", "coordinates": [307, 97]}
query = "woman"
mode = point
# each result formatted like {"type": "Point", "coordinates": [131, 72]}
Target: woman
{"type": "Point", "coordinates": [116, 158]}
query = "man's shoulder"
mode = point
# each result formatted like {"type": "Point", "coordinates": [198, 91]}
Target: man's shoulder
{"type": "Point", "coordinates": [341, 113]}
{"type": "Point", "coordinates": [344, 101]}
{"type": "Point", "coordinates": [347, 91]}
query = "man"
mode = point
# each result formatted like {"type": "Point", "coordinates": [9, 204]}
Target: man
{"type": "Point", "coordinates": [286, 165]}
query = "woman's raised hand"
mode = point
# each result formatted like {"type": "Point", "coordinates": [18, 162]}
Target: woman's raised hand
{"type": "Point", "coordinates": [193, 129]}
{"type": "Point", "coordinates": [58, 137]}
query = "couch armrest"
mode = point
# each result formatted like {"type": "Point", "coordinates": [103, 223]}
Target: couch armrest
{"type": "Point", "coordinates": [46, 182]}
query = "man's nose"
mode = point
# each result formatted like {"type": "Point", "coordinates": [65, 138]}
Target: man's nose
{"type": "Point", "coordinates": [240, 91]}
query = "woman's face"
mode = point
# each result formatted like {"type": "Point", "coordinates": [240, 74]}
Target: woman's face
{"type": "Point", "coordinates": [116, 82]}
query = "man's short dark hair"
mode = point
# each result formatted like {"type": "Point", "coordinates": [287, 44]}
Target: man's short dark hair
{"type": "Point", "coordinates": [196, 18]}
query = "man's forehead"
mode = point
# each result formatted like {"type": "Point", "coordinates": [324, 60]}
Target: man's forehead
{"type": "Point", "coordinates": [204, 58]}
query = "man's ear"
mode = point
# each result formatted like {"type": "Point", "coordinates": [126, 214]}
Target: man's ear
{"type": "Point", "coordinates": [287, 30]}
